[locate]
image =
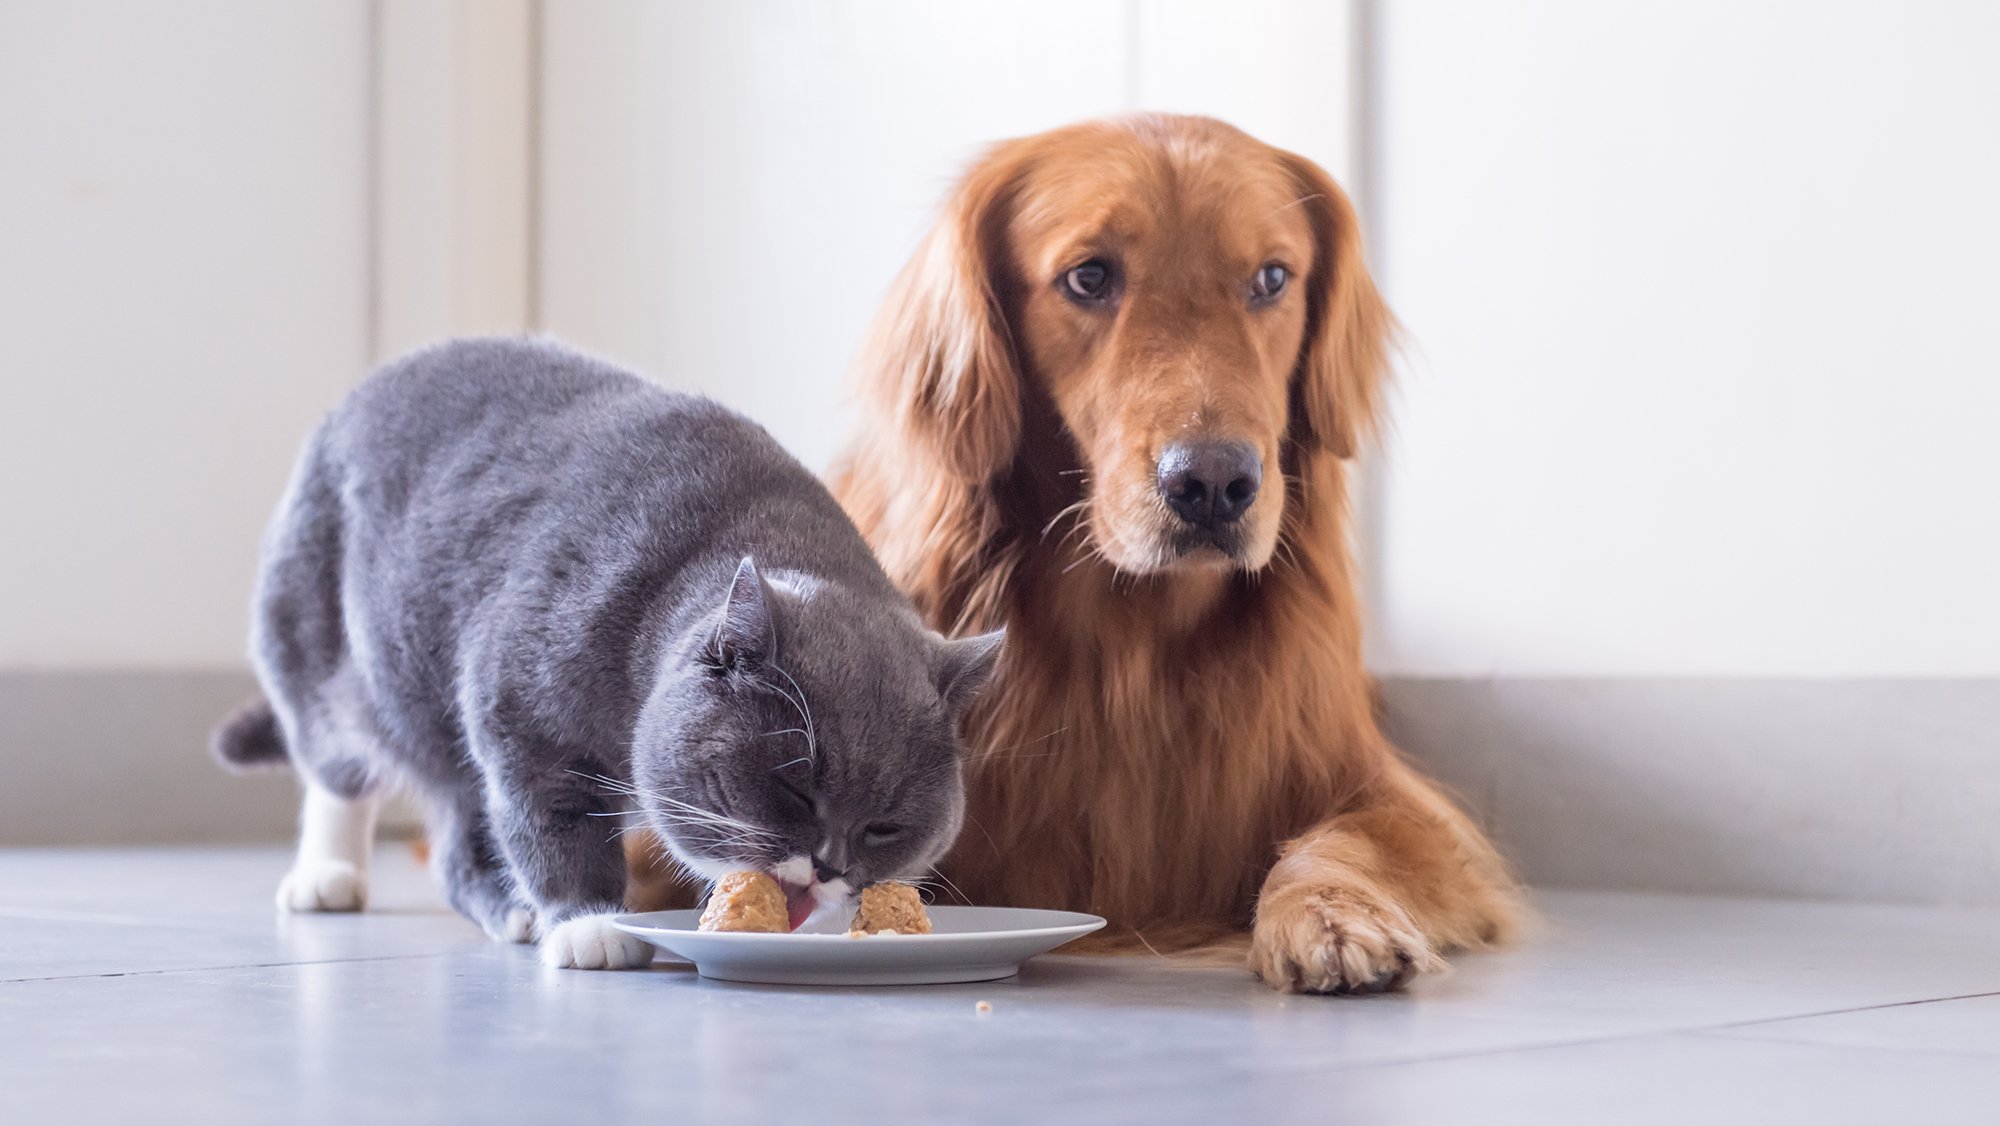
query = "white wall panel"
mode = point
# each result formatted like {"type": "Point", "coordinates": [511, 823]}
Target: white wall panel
{"type": "Point", "coordinates": [1702, 376]}
{"type": "Point", "coordinates": [454, 170]}
{"type": "Point", "coordinates": [184, 254]}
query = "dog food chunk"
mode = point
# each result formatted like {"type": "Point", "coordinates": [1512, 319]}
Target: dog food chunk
{"type": "Point", "coordinates": [746, 901]}
{"type": "Point", "coordinates": [890, 909]}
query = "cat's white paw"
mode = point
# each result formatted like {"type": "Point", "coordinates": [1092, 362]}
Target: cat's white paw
{"type": "Point", "coordinates": [518, 926]}
{"type": "Point", "coordinates": [323, 885]}
{"type": "Point", "coordinates": [590, 942]}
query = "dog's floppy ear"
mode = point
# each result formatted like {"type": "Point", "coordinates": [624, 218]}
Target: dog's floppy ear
{"type": "Point", "coordinates": [940, 354]}
{"type": "Point", "coordinates": [1342, 364]}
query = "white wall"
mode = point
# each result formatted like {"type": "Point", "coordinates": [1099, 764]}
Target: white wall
{"type": "Point", "coordinates": [183, 289]}
{"type": "Point", "coordinates": [202, 245]}
{"type": "Point", "coordinates": [727, 189]}
{"type": "Point", "coordinates": [1701, 301]}
{"type": "Point", "coordinates": [454, 170]}
{"type": "Point", "coordinates": [1701, 381]}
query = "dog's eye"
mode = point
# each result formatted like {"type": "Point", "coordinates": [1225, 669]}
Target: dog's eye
{"type": "Point", "coordinates": [1269, 282]}
{"type": "Point", "coordinates": [1090, 282]}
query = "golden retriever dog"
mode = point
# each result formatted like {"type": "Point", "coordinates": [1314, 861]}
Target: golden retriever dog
{"type": "Point", "coordinates": [1110, 405]}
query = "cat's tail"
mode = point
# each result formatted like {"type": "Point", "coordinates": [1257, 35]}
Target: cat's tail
{"type": "Point", "coordinates": [249, 739]}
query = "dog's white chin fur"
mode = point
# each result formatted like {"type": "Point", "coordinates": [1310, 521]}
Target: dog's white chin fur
{"type": "Point", "coordinates": [1165, 561]}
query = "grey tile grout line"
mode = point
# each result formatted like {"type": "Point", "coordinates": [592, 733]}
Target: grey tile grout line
{"type": "Point", "coordinates": [1850, 1009]}
{"type": "Point", "coordinates": [1968, 1053]}
{"type": "Point", "coordinates": [1691, 1030]}
{"type": "Point", "coordinates": [1579, 1042]}
{"type": "Point", "coordinates": [226, 968]}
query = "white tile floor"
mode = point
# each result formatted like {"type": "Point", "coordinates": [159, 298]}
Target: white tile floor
{"type": "Point", "coordinates": [159, 986]}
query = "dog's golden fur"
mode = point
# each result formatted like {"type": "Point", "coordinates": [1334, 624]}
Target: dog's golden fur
{"type": "Point", "coordinates": [1185, 744]}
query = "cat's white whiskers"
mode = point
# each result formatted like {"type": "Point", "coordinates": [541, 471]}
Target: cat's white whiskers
{"type": "Point", "coordinates": [621, 788]}
{"type": "Point", "coordinates": [721, 830]}
{"type": "Point", "coordinates": [680, 811]}
{"type": "Point", "coordinates": [1018, 758]}
{"type": "Point", "coordinates": [946, 880]}
{"type": "Point", "coordinates": [678, 870]}
{"type": "Point", "coordinates": [691, 810]}
{"type": "Point", "coordinates": [712, 842]}
{"type": "Point", "coordinates": [720, 823]}
{"type": "Point", "coordinates": [1149, 946]}
{"type": "Point", "coordinates": [927, 889]}
{"type": "Point", "coordinates": [805, 712]}
{"type": "Point", "coordinates": [726, 830]}
{"type": "Point", "coordinates": [1006, 754]}
{"type": "Point", "coordinates": [983, 831]}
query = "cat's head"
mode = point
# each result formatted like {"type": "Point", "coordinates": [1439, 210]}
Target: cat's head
{"type": "Point", "coordinates": [803, 731]}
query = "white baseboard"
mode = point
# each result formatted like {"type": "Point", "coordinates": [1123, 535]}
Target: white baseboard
{"type": "Point", "coordinates": [119, 758]}
{"type": "Point", "coordinates": [122, 758]}
{"type": "Point", "coordinates": [1857, 789]}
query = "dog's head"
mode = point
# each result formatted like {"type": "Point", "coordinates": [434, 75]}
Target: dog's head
{"type": "Point", "coordinates": [1189, 302]}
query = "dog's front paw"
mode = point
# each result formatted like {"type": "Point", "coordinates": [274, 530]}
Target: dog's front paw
{"type": "Point", "coordinates": [1333, 940]}
{"type": "Point", "coordinates": [590, 942]}
{"type": "Point", "coordinates": [323, 885]}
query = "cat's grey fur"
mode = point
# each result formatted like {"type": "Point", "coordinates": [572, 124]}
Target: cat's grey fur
{"type": "Point", "coordinates": [539, 590]}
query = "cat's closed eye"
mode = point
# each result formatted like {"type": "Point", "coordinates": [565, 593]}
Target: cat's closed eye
{"type": "Point", "coordinates": [796, 796]}
{"type": "Point", "coordinates": [880, 832]}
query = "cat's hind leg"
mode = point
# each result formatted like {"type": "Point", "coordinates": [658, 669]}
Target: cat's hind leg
{"type": "Point", "coordinates": [319, 712]}
{"type": "Point", "coordinates": [330, 872]}
{"type": "Point", "coordinates": [340, 767]}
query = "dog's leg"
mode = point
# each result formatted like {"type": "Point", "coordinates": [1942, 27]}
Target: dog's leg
{"type": "Point", "coordinates": [1371, 897]}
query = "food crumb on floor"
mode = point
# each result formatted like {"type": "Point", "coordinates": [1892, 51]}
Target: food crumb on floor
{"type": "Point", "coordinates": [983, 1008]}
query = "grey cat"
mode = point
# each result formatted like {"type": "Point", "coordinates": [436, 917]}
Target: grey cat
{"type": "Point", "coordinates": [543, 594]}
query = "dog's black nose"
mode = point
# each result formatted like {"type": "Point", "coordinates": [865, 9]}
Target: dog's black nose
{"type": "Point", "coordinates": [1209, 484]}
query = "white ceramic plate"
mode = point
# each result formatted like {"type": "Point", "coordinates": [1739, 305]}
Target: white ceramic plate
{"type": "Point", "coordinates": [965, 944]}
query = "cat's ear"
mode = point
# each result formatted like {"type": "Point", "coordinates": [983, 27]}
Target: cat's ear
{"type": "Point", "coordinates": [745, 633]}
{"type": "Point", "coordinates": [964, 666]}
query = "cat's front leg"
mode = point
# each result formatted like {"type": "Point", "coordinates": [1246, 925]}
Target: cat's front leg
{"type": "Point", "coordinates": [560, 844]}
{"type": "Point", "coordinates": [468, 865]}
